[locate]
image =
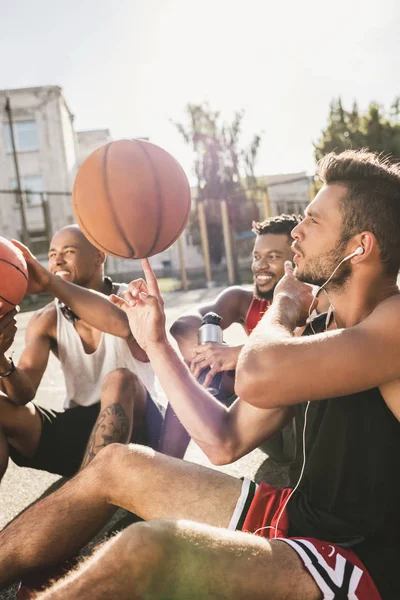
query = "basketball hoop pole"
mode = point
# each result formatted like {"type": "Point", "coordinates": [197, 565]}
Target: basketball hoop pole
{"type": "Point", "coordinates": [20, 193]}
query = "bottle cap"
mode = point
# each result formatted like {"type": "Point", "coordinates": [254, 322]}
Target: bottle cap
{"type": "Point", "coordinates": [211, 318]}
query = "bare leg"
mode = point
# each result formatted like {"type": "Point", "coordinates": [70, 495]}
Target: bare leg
{"type": "Point", "coordinates": [151, 485]}
{"type": "Point", "coordinates": [179, 560]}
{"type": "Point", "coordinates": [4, 453]}
{"type": "Point", "coordinates": [20, 427]}
{"type": "Point", "coordinates": [123, 400]}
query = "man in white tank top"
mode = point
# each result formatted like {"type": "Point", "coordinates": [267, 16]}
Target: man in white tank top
{"type": "Point", "coordinates": [111, 386]}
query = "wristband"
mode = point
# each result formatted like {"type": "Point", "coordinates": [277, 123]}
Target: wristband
{"type": "Point", "coordinates": [11, 370]}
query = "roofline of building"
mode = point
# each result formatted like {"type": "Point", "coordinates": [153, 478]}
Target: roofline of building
{"type": "Point", "coordinates": [32, 89]}
{"type": "Point", "coordinates": [37, 88]}
{"type": "Point", "coordinates": [94, 130]}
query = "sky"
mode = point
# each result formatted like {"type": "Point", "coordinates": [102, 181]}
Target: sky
{"type": "Point", "coordinates": [132, 66]}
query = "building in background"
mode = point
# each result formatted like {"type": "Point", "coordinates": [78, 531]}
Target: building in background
{"type": "Point", "coordinates": [46, 150]}
{"type": "Point", "coordinates": [89, 141]}
{"type": "Point", "coordinates": [288, 193]}
{"type": "Point", "coordinates": [49, 151]}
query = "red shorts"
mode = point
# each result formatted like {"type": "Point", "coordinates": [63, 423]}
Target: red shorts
{"type": "Point", "coordinates": [338, 572]}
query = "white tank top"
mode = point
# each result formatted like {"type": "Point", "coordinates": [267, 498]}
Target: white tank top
{"type": "Point", "coordinates": [84, 373]}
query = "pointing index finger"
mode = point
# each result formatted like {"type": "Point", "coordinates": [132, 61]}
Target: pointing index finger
{"type": "Point", "coordinates": [151, 279]}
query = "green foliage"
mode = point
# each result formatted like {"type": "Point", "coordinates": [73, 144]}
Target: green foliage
{"type": "Point", "coordinates": [376, 129]}
{"type": "Point", "coordinates": [224, 170]}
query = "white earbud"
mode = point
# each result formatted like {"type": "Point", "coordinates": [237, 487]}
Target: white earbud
{"type": "Point", "coordinates": [357, 252]}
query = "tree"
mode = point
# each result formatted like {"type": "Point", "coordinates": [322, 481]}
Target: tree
{"type": "Point", "coordinates": [375, 129]}
{"type": "Point", "coordinates": [224, 170]}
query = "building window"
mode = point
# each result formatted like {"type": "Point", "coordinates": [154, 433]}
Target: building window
{"type": "Point", "coordinates": [30, 185]}
{"type": "Point", "coordinates": [25, 135]}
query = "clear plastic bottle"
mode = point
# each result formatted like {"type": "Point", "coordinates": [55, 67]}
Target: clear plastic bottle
{"type": "Point", "coordinates": [211, 332]}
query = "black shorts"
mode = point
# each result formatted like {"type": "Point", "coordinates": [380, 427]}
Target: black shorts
{"type": "Point", "coordinates": [65, 436]}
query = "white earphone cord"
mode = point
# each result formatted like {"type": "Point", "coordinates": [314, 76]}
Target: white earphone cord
{"type": "Point", "coordinates": [358, 251]}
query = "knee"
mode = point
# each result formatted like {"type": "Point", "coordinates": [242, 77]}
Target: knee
{"type": "Point", "coordinates": [121, 385]}
{"type": "Point", "coordinates": [110, 457]}
{"type": "Point", "coordinates": [121, 377]}
{"type": "Point", "coordinates": [153, 543]}
{"type": "Point", "coordinates": [111, 465]}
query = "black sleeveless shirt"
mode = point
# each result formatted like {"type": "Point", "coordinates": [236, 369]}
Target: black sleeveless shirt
{"type": "Point", "coordinates": [350, 490]}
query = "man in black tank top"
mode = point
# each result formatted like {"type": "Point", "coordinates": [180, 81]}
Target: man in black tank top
{"type": "Point", "coordinates": [343, 384]}
{"type": "Point", "coordinates": [334, 532]}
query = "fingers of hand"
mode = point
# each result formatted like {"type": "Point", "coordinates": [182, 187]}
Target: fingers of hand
{"type": "Point", "coordinates": [198, 358]}
{"type": "Point", "coordinates": [216, 368]}
{"type": "Point", "coordinates": [151, 279]}
{"type": "Point", "coordinates": [118, 301]}
{"type": "Point", "coordinates": [8, 318]}
{"type": "Point", "coordinates": [25, 251]}
{"type": "Point", "coordinates": [288, 268]}
{"type": "Point", "coordinates": [7, 333]}
{"type": "Point", "coordinates": [137, 286]}
{"type": "Point", "coordinates": [198, 367]}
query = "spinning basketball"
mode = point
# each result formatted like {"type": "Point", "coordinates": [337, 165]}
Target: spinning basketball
{"type": "Point", "coordinates": [131, 199]}
{"type": "Point", "coordinates": [13, 276]}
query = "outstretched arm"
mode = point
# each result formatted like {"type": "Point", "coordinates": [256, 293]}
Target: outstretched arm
{"type": "Point", "coordinates": [92, 307]}
{"type": "Point", "coordinates": [174, 437]}
{"type": "Point", "coordinates": [231, 305]}
{"type": "Point", "coordinates": [325, 365]}
{"type": "Point", "coordinates": [223, 434]}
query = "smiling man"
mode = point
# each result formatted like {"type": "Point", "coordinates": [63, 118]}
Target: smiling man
{"type": "Point", "coordinates": [109, 381]}
{"type": "Point", "coordinates": [237, 304]}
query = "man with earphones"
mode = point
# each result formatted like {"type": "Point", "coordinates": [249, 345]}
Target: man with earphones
{"type": "Point", "coordinates": [334, 532]}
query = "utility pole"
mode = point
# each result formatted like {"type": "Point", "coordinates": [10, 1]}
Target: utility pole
{"type": "Point", "coordinates": [20, 193]}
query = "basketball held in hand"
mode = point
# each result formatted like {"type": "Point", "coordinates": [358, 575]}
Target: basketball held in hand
{"type": "Point", "coordinates": [13, 276]}
{"type": "Point", "coordinates": [131, 199]}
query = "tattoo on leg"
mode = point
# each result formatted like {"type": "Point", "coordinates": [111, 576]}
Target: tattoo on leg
{"type": "Point", "coordinates": [112, 425]}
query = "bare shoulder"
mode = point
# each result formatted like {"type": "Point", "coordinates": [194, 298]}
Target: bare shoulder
{"type": "Point", "coordinates": [386, 315]}
{"type": "Point", "coordinates": [235, 295]}
{"type": "Point", "coordinates": [44, 321]}
{"type": "Point", "coordinates": [234, 303]}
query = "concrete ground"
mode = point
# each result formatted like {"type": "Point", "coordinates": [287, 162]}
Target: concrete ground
{"type": "Point", "coordinates": [20, 486]}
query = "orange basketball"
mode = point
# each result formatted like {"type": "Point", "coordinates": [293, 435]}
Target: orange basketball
{"type": "Point", "coordinates": [131, 199]}
{"type": "Point", "coordinates": [13, 276]}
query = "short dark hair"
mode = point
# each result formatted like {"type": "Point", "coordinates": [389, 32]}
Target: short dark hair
{"type": "Point", "coordinates": [373, 199]}
{"type": "Point", "coordinates": [277, 225]}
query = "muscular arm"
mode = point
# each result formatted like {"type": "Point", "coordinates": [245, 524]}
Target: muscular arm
{"type": "Point", "coordinates": [174, 438]}
{"type": "Point", "coordinates": [325, 365]}
{"type": "Point", "coordinates": [231, 304]}
{"type": "Point", "coordinates": [223, 434]}
{"type": "Point", "coordinates": [22, 385]}
{"type": "Point", "coordinates": [92, 307]}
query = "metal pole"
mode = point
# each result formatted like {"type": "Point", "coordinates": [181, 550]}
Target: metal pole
{"type": "Point", "coordinates": [20, 194]}
{"type": "Point", "coordinates": [228, 242]}
{"type": "Point", "coordinates": [204, 241]}
{"type": "Point", "coordinates": [185, 282]}
{"type": "Point", "coordinates": [46, 215]}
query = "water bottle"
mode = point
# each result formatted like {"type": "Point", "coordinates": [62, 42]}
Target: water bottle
{"type": "Point", "coordinates": [211, 332]}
